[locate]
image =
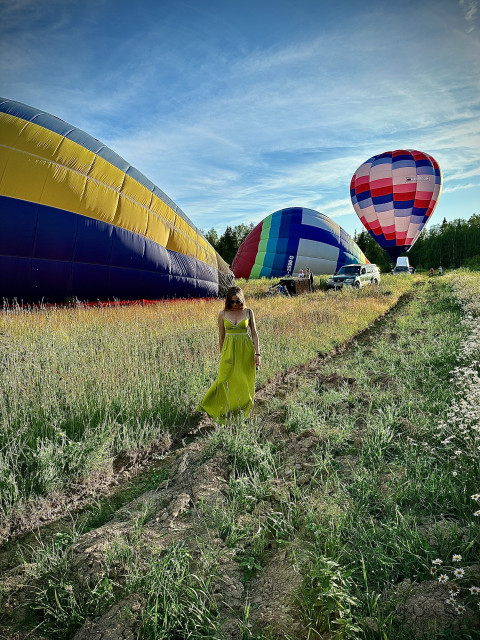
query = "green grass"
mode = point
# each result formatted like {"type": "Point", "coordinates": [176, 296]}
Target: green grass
{"type": "Point", "coordinates": [80, 385]}
{"type": "Point", "coordinates": [402, 477]}
{"type": "Point", "coordinates": [386, 496]}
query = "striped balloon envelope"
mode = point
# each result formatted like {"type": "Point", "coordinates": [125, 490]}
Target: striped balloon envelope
{"type": "Point", "coordinates": [293, 239]}
{"type": "Point", "coordinates": [394, 195]}
{"type": "Point", "coordinates": [77, 221]}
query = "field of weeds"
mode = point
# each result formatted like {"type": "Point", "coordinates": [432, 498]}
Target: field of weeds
{"type": "Point", "coordinates": [347, 507]}
{"type": "Point", "coordinates": [78, 386]}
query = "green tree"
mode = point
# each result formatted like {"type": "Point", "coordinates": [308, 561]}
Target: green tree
{"type": "Point", "coordinates": [451, 244]}
{"type": "Point", "coordinates": [374, 251]}
{"type": "Point", "coordinates": [227, 245]}
{"type": "Point", "coordinates": [241, 231]}
{"type": "Point", "coordinates": [212, 237]}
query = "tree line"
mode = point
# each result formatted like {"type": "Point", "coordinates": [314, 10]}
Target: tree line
{"type": "Point", "coordinates": [228, 243]}
{"type": "Point", "coordinates": [449, 244]}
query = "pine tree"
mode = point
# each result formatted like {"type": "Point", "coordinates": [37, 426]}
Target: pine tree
{"type": "Point", "coordinates": [227, 245]}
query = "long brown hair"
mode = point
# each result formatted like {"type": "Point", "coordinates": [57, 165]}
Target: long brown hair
{"type": "Point", "coordinates": [232, 292]}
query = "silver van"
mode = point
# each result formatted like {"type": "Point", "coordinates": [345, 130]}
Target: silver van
{"type": "Point", "coordinates": [354, 275]}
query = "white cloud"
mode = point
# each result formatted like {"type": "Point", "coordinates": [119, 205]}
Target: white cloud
{"type": "Point", "coordinates": [458, 187]}
{"type": "Point", "coordinates": [470, 8]}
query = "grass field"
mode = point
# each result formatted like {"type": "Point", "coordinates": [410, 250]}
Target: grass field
{"type": "Point", "coordinates": [346, 508]}
{"type": "Point", "coordinates": [80, 385]}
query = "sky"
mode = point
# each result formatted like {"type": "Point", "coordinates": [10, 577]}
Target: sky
{"type": "Point", "coordinates": [238, 108]}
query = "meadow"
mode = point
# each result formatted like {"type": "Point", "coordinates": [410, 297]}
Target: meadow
{"type": "Point", "coordinates": [79, 385]}
{"type": "Point", "coordinates": [346, 508]}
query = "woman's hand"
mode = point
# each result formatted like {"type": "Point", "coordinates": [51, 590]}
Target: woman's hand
{"type": "Point", "coordinates": [257, 360]}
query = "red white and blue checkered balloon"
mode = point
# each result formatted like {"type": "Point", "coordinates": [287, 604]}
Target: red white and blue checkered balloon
{"type": "Point", "coordinates": [394, 195]}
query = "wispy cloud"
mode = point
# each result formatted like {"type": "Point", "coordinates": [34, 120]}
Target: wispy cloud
{"type": "Point", "coordinates": [470, 8]}
{"type": "Point", "coordinates": [458, 187]}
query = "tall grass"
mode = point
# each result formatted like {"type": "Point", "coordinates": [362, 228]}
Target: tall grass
{"type": "Point", "coordinates": [399, 465]}
{"type": "Point", "coordinates": [386, 498]}
{"type": "Point", "coordinates": [78, 385]}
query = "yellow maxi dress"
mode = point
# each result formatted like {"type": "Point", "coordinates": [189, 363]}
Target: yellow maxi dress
{"type": "Point", "coordinates": [233, 391]}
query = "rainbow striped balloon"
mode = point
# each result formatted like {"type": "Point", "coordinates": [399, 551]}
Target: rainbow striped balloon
{"type": "Point", "coordinates": [394, 195]}
{"type": "Point", "coordinates": [77, 221]}
{"type": "Point", "coordinates": [293, 239]}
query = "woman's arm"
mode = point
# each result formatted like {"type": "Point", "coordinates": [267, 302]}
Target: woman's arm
{"type": "Point", "coordinates": [221, 330]}
{"type": "Point", "coordinates": [256, 342]}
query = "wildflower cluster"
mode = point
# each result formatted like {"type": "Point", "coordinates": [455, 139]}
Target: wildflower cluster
{"type": "Point", "coordinates": [459, 433]}
{"type": "Point", "coordinates": [455, 576]}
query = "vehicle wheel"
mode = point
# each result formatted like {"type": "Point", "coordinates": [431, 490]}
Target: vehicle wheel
{"type": "Point", "coordinates": [357, 285]}
{"type": "Point", "coordinates": [375, 281]}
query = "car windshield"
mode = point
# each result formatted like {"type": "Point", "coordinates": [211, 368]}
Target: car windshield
{"type": "Point", "coordinates": [402, 269]}
{"type": "Point", "coordinates": [351, 270]}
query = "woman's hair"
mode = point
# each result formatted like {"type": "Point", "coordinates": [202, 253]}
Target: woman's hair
{"type": "Point", "coordinates": [234, 291]}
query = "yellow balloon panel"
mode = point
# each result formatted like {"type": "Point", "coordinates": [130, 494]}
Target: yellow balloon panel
{"type": "Point", "coordinates": [131, 216]}
{"type": "Point", "coordinates": [157, 228]}
{"type": "Point", "coordinates": [99, 202]}
{"type": "Point", "coordinates": [179, 242]}
{"type": "Point", "coordinates": [136, 191]}
{"type": "Point", "coordinates": [205, 252]}
{"type": "Point", "coordinates": [63, 188]}
{"type": "Point", "coordinates": [24, 176]}
{"type": "Point", "coordinates": [73, 156]}
{"type": "Point", "coordinates": [11, 129]}
{"type": "Point", "coordinates": [37, 141]}
{"type": "Point", "coordinates": [162, 210]}
{"type": "Point", "coordinates": [107, 174]}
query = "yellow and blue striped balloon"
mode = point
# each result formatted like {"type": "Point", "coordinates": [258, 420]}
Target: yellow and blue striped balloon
{"type": "Point", "coordinates": [77, 221]}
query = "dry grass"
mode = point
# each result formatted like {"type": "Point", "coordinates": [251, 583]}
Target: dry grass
{"type": "Point", "coordinates": [79, 385]}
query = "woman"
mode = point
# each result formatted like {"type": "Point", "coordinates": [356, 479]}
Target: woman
{"type": "Point", "coordinates": [234, 388]}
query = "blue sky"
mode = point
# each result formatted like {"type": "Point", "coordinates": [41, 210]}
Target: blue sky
{"type": "Point", "coordinates": [237, 108]}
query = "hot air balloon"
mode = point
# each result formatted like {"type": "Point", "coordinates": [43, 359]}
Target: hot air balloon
{"type": "Point", "coordinates": [394, 195]}
{"type": "Point", "coordinates": [293, 239]}
{"type": "Point", "coordinates": [77, 221]}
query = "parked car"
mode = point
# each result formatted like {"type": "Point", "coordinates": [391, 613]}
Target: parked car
{"type": "Point", "coordinates": [354, 275]}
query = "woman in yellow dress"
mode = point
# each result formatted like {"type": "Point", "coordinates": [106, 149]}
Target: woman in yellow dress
{"type": "Point", "coordinates": [233, 391]}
